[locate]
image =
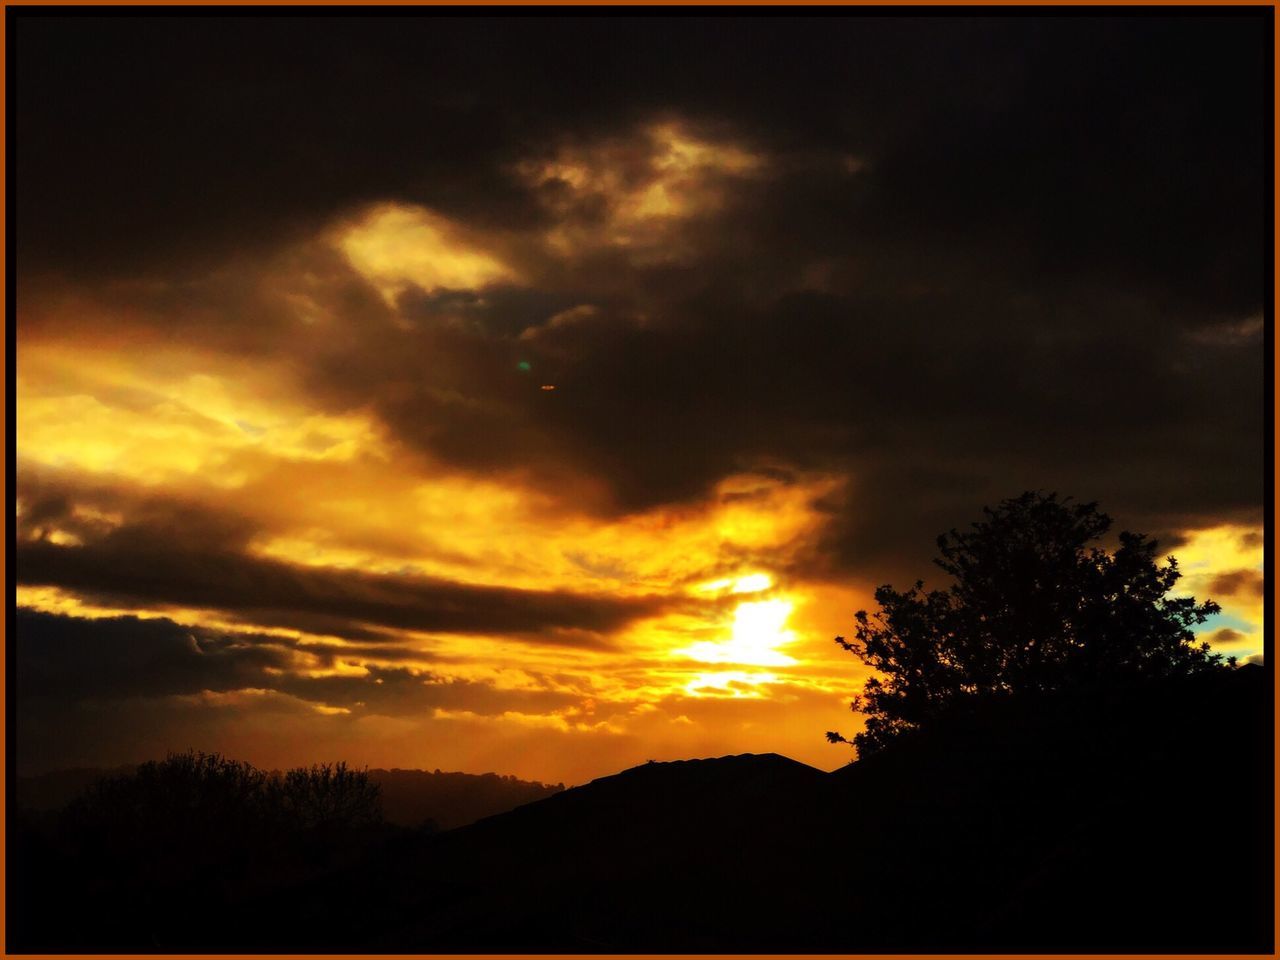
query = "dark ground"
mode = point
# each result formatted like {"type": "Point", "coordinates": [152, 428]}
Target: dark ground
{"type": "Point", "coordinates": [1135, 820]}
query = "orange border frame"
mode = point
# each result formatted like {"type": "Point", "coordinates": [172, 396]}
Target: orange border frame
{"type": "Point", "coordinates": [1101, 4]}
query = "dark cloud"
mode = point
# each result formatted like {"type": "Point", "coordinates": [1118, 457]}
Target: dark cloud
{"type": "Point", "coordinates": [406, 692]}
{"type": "Point", "coordinates": [1248, 584]}
{"type": "Point", "coordinates": [932, 405]}
{"type": "Point", "coordinates": [1251, 540]}
{"type": "Point", "coordinates": [1026, 132]}
{"type": "Point", "coordinates": [127, 567]}
{"type": "Point", "coordinates": [1226, 635]}
{"type": "Point", "coordinates": [74, 659]}
{"type": "Point", "coordinates": [983, 255]}
{"type": "Point", "coordinates": [52, 500]}
{"type": "Point", "coordinates": [328, 625]}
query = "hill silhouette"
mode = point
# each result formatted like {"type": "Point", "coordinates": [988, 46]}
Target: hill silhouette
{"type": "Point", "coordinates": [1131, 818]}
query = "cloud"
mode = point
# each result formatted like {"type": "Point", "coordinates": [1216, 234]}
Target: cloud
{"type": "Point", "coordinates": [1248, 584]}
{"type": "Point", "coordinates": [70, 658]}
{"type": "Point", "coordinates": [902, 387]}
{"type": "Point", "coordinates": [732, 292]}
{"type": "Point", "coordinates": [444, 103]}
{"type": "Point", "coordinates": [634, 194]}
{"type": "Point", "coordinates": [1226, 635]}
{"type": "Point", "coordinates": [395, 246]}
{"type": "Point", "coordinates": [405, 691]}
{"type": "Point", "coordinates": [140, 570]}
{"type": "Point", "coordinates": [123, 688]}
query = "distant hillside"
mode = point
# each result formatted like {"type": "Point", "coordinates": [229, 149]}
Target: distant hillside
{"type": "Point", "coordinates": [410, 798]}
{"type": "Point", "coordinates": [50, 791]}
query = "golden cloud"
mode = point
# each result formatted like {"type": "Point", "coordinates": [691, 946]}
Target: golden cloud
{"type": "Point", "coordinates": [1212, 555]}
{"type": "Point", "coordinates": [394, 246]}
{"type": "Point", "coordinates": [633, 193]}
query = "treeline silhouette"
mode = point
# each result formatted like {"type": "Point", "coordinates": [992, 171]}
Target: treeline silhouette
{"type": "Point", "coordinates": [183, 845]}
{"type": "Point", "coordinates": [423, 799]}
{"type": "Point", "coordinates": [196, 848]}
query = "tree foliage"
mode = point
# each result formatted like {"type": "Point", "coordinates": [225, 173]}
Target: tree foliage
{"type": "Point", "coordinates": [205, 800]}
{"type": "Point", "coordinates": [1035, 605]}
{"type": "Point", "coordinates": [192, 848]}
{"type": "Point", "coordinates": [326, 795]}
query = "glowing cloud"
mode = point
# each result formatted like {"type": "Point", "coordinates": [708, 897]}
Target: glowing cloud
{"type": "Point", "coordinates": [1208, 555]}
{"type": "Point", "coordinates": [156, 416]}
{"type": "Point", "coordinates": [646, 186]}
{"type": "Point", "coordinates": [395, 246]}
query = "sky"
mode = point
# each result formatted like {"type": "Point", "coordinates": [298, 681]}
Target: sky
{"type": "Point", "coordinates": [542, 396]}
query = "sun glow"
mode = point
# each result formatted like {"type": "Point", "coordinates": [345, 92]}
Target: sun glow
{"type": "Point", "coordinates": [757, 631]}
{"type": "Point", "coordinates": [749, 583]}
{"type": "Point", "coordinates": [736, 684]}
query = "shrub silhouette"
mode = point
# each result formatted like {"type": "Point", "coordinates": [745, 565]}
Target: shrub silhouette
{"type": "Point", "coordinates": [210, 796]}
{"type": "Point", "coordinates": [1035, 606]}
{"type": "Point", "coordinates": [155, 852]}
{"type": "Point", "coordinates": [187, 802]}
{"type": "Point", "coordinates": [326, 796]}
{"type": "Point", "coordinates": [208, 823]}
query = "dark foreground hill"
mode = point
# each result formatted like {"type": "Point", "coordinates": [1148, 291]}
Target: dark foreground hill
{"type": "Point", "coordinates": [1124, 821]}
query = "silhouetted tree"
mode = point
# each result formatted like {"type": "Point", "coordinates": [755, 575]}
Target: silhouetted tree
{"type": "Point", "coordinates": [188, 801]}
{"type": "Point", "coordinates": [203, 815]}
{"type": "Point", "coordinates": [327, 796]}
{"type": "Point", "coordinates": [153, 854]}
{"type": "Point", "coordinates": [1035, 606]}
